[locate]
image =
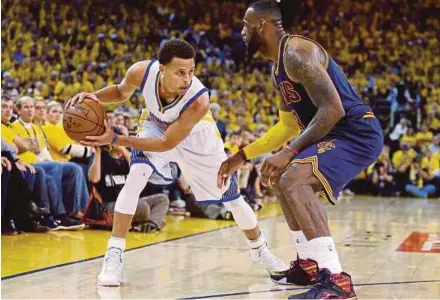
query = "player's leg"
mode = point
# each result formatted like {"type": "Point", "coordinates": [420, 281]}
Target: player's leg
{"type": "Point", "coordinates": [246, 220]}
{"type": "Point", "coordinates": [303, 270]}
{"type": "Point", "coordinates": [126, 203]}
{"type": "Point", "coordinates": [199, 158]}
{"type": "Point", "coordinates": [299, 185]}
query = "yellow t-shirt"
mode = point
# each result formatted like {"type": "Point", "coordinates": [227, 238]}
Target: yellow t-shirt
{"type": "Point", "coordinates": [33, 132]}
{"type": "Point", "coordinates": [433, 164]}
{"type": "Point", "coordinates": [8, 135]}
{"type": "Point", "coordinates": [409, 139]}
{"type": "Point", "coordinates": [424, 135]}
{"type": "Point", "coordinates": [398, 157]}
{"type": "Point", "coordinates": [58, 140]}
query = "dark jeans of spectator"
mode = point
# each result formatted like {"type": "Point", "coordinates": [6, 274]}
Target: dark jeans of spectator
{"type": "Point", "coordinates": [360, 186]}
{"type": "Point", "coordinates": [16, 202]}
{"type": "Point", "coordinates": [401, 180]}
{"type": "Point", "coordinates": [385, 188]}
{"type": "Point", "coordinates": [69, 179]}
{"type": "Point", "coordinates": [6, 176]}
{"type": "Point", "coordinates": [45, 191]}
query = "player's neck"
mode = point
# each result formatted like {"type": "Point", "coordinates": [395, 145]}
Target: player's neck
{"type": "Point", "coordinates": [273, 45]}
{"type": "Point", "coordinates": [165, 93]}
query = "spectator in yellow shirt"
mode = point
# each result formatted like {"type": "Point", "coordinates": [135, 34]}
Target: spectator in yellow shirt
{"type": "Point", "coordinates": [424, 137]}
{"type": "Point", "coordinates": [431, 162]}
{"type": "Point", "coordinates": [234, 142]}
{"type": "Point", "coordinates": [409, 138]}
{"type": "Point", "coordinates": [8, 135]}
{"type": "Point", "coordinates": [70, 177]}
{"type": "Point", "coordinates": [61, 147]}
{"type": "Point", "coordinates": [402, 160]}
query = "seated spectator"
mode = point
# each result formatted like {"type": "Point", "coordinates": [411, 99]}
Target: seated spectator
{"type": "Point", "coordinates": [398, 132]}
{"type": "Point", "coordinates": [382, 181]}
{"type": "Point", "coordinates": [424, 137]}
{"type": "Point", "coordinates": [108, 172]}
{"type": "Point", "coordinates": [61, 147]}
{"type": "Point", "coordinates": [419, 178]}
{"type": "Point", "coordinates": [68, 176]}
{"type": "Point", "coordinates": [402, 161]}
{"type": "Point", "coordinates": [410, 138]}
{"type": "Point", "coordinates": [234, 142]}
{"type": "Point", "coordinates": [435, 147]}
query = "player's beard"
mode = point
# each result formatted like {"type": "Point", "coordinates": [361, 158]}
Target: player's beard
{"type": "Point", "coordinates": [254, 44]}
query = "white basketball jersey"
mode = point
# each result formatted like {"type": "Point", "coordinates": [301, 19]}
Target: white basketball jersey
{"type": "Point", "coordinates": [164, 116]}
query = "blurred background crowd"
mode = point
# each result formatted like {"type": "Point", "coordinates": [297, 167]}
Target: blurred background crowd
{"type": "Point", "coordinates": [52, 50]}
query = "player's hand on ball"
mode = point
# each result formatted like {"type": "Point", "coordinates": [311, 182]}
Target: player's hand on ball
{"type": "Point", "coordinates": [228, 167]}
{"type": "Point", "coordinates": [100, 140]}
{"type": "Point", "coordinates": [80, 97]}
{"type": "Point", "coordinates": [274, 166]}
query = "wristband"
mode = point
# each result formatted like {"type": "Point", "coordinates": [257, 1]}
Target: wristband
{"type": "Point", "coordinates": [115, 137]}
{"type": "Point", "coordinates": [292, 150]}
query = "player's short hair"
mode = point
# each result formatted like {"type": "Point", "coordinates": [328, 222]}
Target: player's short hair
{"type": "Point", "coordinates": [175, 48]}
{"type": "Point", "coordinates": [285, 11]}
{"type": "Point", "coordinates": [267, 7]}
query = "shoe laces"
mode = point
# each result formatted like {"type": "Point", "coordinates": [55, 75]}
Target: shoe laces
{"type": "Point", "coordinates": [112, 260]}
{"type": "Point", "coordinates": [294, 265]}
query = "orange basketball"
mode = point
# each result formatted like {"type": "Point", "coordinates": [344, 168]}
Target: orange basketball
{"type": "Point", "coordinates": [84, 119]}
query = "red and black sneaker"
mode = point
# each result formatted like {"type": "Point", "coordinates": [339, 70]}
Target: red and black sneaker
{"type": "Point", "coordinates": [329, 286]}
{"type": "Point", "coordinates": [301, 272]}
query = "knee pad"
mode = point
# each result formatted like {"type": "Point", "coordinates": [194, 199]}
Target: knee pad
{"type": "Point", "coordinates": [129, 196]}
{"type": "Point", "coordinates": [243, 214]}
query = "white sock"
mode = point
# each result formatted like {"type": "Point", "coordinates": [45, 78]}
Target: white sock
{"type": "Point", "coordinates": [254, 244]}
{"type": "Point", "coordinates": [301, 244]}
{"type": "Point", "coordinates": [325, 254]}
{"type": "Point", "coordinates": [115, 242]}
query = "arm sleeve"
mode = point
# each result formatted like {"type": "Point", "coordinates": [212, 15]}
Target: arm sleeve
{"type": "Point", "coordinates": [284, 131]}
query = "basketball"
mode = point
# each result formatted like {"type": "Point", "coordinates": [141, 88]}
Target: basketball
{"type": "Point", "coordinates": [84, 119]}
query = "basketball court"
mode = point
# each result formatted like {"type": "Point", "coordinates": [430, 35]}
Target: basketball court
{"type": "Point", "coordinates": [390, 246]}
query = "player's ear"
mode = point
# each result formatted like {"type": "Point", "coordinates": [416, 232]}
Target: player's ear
{"type": "Point", "coordinates": [261, 26]}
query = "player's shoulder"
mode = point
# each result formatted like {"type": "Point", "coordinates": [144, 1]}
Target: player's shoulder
{"type": "Point", "coordinates": [303, 54]}
{"type": "Point", "coordinates": [300, 47]}
{"type": "Point", "coordinates": [136, 72]}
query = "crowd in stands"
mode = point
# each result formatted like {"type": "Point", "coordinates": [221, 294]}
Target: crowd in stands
{"type": "Point", "coordinates": [52, 50]}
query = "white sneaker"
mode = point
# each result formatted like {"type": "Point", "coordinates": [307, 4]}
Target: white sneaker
{"type": "Point", "coordinates": [264, 256]}
{"type": "Point", "coordinates": [112, 268]}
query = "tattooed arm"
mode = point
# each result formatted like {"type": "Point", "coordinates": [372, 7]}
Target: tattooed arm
{"type": "Point", "coordinates": [304, 62]}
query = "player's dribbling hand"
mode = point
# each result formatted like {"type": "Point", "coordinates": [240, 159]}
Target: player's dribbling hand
{"type": "Point", "coordinates": [228, 167]}
{"type": "Point", "coordinates": [79, 98]}
{"type": "Point", "coordinates": [274, 166]}
{"type": "Point", "coordinates": [105, 139]}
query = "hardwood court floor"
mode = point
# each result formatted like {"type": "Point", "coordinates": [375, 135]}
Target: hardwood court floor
{"type": "Point", "coordinates": [391, 247]}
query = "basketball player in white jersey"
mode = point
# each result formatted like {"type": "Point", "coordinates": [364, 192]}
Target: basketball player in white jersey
{"type": "Point", "coordinates": [179, 128]}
